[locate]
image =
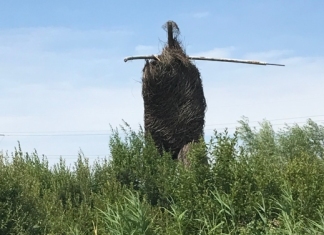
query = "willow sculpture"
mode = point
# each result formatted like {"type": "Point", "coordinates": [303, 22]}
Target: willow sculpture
{"type": "Point", "coordinates": [174, 101]}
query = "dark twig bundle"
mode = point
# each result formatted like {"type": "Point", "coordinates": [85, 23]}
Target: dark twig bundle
{"type": "Point", "coordinates": [174, 102]}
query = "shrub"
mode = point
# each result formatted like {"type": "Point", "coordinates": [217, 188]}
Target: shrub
{"type": "Point", "coordinates": [257, 181]}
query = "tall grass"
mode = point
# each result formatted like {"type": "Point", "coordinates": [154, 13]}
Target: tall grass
{"type": "Point", "coordinates": [258, 181]}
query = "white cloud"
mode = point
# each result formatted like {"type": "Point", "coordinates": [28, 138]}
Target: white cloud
{"type": "Point", "coordinates": [64, 109]}
{"type": "Point", "coordinates": [263, 92]}
{"type": "Point", "coordinates": [51, 55]}
{"type": "Point", "coordinates": [43, 110]}
{"type": "Point", "coordinates": [145, 50]}
{"type": "Point", "coordinates": [65, 80]}
{"type": "Point", "coordinates": [267, 55]}
{"type": "Point", "coordinates": [200, 15]}
{"type": "Point", "coordinates": [217, 52]}
{"type": "Point", "coordinates": [50, 34]}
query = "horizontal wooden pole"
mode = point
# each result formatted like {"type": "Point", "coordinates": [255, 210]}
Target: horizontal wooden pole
{"type": "Point", "coordinates": [148, 57]}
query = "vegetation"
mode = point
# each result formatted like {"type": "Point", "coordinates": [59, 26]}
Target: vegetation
{"type": "Point", "coordinates": [257, 182]}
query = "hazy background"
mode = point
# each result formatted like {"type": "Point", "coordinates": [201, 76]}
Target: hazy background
{"type": "Point", "coordinates": [63, 81]}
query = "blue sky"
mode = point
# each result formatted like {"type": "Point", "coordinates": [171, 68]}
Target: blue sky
{"type": "Point", "coordinates": [62, 70]}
